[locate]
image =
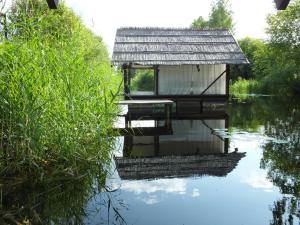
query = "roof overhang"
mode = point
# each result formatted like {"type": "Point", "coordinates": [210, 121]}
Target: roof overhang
{"type": "Point", "coordinates": [53, 4]}
{"type": "Point", "coordinates": [282, 4]}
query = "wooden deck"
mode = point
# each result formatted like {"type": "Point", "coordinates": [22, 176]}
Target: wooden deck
{"type": "Point", "coordinates": [145, 102]}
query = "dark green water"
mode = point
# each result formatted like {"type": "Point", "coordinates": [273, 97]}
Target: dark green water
{"type": "Point", "coordinates": [243, 168]}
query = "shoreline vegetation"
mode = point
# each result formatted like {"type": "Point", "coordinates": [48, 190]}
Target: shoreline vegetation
{"type": "Point", "coordinates": [274, 64]}
{"type": "Point", "coordinates": [57, 93]}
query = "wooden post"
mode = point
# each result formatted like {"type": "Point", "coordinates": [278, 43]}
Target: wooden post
{"type": "Point", "coordinates": [201, 106]}
{"type": "Point", "coordinates": [129, 75]}
{"type": "Point", "coordinates": [156, 145]}
{"type": "Point", "coordinates": [128, 145]}
{"type": "Point", "coordinates": [156, 84]}
{"type": "Point", "coordinates": [168, 108]}
{"type": "Point", "coordinates": [227, 80]}
{"type": "Point", "coordinates": [177, 107]}
{"type": "Point", "coordinates": [226, 140]}
{"type": "Point", "coordinates": [125, 78]}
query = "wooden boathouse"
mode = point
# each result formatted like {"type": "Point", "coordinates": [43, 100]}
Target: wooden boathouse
{"type": "Point", "coordinates": [187, 64]}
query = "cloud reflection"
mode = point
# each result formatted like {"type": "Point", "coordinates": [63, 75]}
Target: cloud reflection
{"type": "Point", "coordinates": [258, 181]}
{"type": "Point", "coordinates": [150, 200]}
{"type": "Point", "coordinates": [195, 192]}
{"type": "Point", "coordinates": [165, 185]}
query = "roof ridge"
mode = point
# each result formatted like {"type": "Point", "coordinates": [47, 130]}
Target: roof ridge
{"type": "Point", "coordinates": [172, 28]}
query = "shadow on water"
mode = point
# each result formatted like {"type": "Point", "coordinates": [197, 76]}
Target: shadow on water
{"type": "Point", "coordinates": [58, 199]}
{"type": "Point", "coordinates": [200, 147]}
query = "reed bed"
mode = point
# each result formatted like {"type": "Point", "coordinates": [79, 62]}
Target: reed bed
{"type": "Point", "coordinates": [57, 92]}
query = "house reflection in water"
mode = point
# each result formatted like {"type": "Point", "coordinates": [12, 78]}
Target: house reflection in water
{"type": "Point", "coordinates": [192, 148]}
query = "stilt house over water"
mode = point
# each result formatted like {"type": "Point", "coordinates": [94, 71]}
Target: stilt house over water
{"type": "Point", "coordinates": [184, 63]}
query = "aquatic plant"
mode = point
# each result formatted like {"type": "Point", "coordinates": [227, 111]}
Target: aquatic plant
{"type": "Point", "coordinates": [243, 87]}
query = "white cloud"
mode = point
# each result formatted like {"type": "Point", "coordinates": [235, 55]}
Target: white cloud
{"type": "Point", "coordinates": [258, 181]}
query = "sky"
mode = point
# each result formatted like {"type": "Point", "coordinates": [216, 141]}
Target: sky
{"type": "Point", "coordinates": [104, 17]}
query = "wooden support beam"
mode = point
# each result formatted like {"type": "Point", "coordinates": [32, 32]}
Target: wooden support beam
{"type": "Point", "coordinates": [156, 145]}
{"type": "Point", "coordinates": [129, 76]}
{"type": "Point", "coordinates": [226, 147]}
{"type": "Point", "coordinates": [53, 4]}
{"type": "Point", "coordinates": [227, 79]}
{"type": "Point", "coordinates": [142, 67]}
{"type": "Point", "coordinates": [156, 83]}
{"type": "Point", "coordinates": [125, 79]}
{"type": "Point", "coordinates": [168, 122]}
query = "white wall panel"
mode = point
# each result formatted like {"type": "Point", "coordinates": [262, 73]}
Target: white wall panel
{"type": "Point", "coordinates": [187, 80]}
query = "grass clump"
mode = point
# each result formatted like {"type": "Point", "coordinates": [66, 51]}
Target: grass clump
{"type": "Point", "coordinates": [56, 92]}
{"type": "Point", "coordinates": [243, 87]}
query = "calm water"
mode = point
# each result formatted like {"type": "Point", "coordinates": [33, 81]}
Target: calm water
{"type": "Point", "coordinates": [189, 179]}
{"type": "Point", "coordinates": [243, 168]}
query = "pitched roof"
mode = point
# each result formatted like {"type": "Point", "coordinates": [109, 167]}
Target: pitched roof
{"type": "Point", "coordinates": [177, 166]}
{"type": "Point", "coordinates": [174, 46]}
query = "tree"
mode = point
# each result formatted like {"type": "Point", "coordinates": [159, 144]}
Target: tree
{"type": "Point", "coordinates": [284, 27]}
{"type": "Point", "coordinates": [252, 48]}
{"type": "Point", "coordinates": [219, 17]}
{"type": "Point", "coordinates": [200, 23]}
{"type": "Point", "coordinates": [279, 64]}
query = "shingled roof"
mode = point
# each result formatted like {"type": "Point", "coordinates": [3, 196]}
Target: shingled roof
{"type": "Point", "coordinates": [177, 166]}
{"type": "Point", "coordinates": [173, 46]}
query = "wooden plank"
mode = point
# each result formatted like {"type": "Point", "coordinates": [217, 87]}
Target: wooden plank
{"type": "Point", "coordinates": [144, 102]}
{"type": "Point", "coordinates": [181, 97]}
{"type": "Point", "coordinates": [125, 80]}
{"type": "Point", "coordinates": [180, 116]}
{"type": "Point", "coordinates": [227, 79]}
{"type": "Point", "coordinates": [142, 131]}
{"type": "Point", "coordinates": [156, 82]}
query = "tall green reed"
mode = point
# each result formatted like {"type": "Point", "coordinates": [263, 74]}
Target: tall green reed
{"type": "Point", "coordinates": [57, 91]}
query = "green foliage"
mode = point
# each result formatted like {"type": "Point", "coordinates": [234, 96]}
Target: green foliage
{"type": "Point", "coordinates": [275, 64]}
{"type": "Point", "coordinates": [284, 28]}
{"type": "Point", "coordinates": [252, 49]}
{"type": "Point", "coordinates": [143, 80]}
{"type": "Point", "coordinates": [219, 17]}
{"type": "Point", "coordinates": [56, 91]}
{"type": "Point", "coordinates": [243, 87]}
{"type": "Point", "coordinates": [200, 22]}
{"type": "Point", "coordinates": [279, 63]}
